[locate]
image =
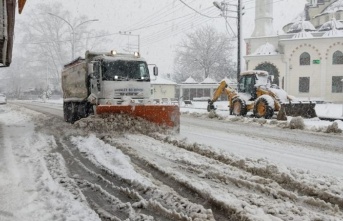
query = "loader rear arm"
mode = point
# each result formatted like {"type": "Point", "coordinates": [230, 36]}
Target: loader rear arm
{"type": "Point", "coordinates": [223, 88]}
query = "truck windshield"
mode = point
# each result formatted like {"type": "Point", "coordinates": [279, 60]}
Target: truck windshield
{"type": "Point", "coordinates": [125, 70]}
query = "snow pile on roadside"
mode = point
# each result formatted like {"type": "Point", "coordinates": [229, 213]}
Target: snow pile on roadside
{"type": "Point", "coordinates": [27, 190]}
{"type": "Point", "coordinates": [313, 124]}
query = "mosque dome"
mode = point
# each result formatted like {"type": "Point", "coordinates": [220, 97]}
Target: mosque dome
{"type": "Point", "coordinates": [265, 49]}
{"type": "Point", "coordinates": [334, 7]}
{"type": "Point", "coordinates": [330, 25]}
{"type": "Point", "coordinates": [300, 26]}
{"type": "Point", "coordinates": [332, 28]}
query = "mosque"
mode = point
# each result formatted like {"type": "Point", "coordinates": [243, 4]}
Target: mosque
{"type": "Point", "coordinates": [306, 61]}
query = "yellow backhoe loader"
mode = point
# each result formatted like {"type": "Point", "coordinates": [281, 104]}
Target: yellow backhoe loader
{"type": "Point", "coordinates": [257, 94]}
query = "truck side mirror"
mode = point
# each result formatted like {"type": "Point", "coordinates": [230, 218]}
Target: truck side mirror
{"type": "Point", "coordinates": [271, 78]}
{"type": "Point", "coordinates": [155, 70]}
{"type": "Point", "coordinates": [90, 69]}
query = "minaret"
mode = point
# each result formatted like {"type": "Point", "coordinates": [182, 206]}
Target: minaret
{"type": "Point", "coordinates": [263, 18]}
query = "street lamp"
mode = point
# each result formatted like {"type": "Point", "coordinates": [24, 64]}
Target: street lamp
{"type": "Point", "coordinates": [73, 31]}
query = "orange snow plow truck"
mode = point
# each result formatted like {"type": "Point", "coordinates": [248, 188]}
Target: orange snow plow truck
{"type": "Point", "coordinates": [113, 83]}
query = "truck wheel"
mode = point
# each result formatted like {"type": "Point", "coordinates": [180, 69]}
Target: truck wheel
{"type": "Point", "coordinates": [238, 107]}
{"type": "Point", "coordinates": [70, 112]}
{"type": "Point", "coordinates": [67, 113]}
{"type": "Point", "coordinates": [81, 110]}
{"type": "Point", "coordinates": [263, 109]}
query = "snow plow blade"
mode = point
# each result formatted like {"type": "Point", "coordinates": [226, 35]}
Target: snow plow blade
{"type": "Point", "coordinates": [21, 4]}
{"type": "Point", "coordinates": [306, 110]}
{"type": "Point", "coordinates": [165, 115]}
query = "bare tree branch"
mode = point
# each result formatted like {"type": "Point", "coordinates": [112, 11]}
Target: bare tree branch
{"type": "Point", "coordinates": [204, 53]}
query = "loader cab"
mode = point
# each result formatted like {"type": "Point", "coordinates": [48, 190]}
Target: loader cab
{"type": "Point", "coordinates": [247, 85]}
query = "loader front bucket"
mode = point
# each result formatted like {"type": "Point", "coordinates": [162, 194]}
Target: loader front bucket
{"type": "Point", "coordinates": [166, 115]}
{"type": "Point", "coordinates": [303, 109]}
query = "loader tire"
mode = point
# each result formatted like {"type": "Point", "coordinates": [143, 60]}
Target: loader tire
{"type": "Point", "coordinates": [263, 109]}
{"type": "Point", "coordinates": [238, 107]}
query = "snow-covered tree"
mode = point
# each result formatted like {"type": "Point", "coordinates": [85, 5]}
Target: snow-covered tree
{"type": "Point", "coordinates": [47, 40]}
{"type": "Point", "coordinates": [204, 53]}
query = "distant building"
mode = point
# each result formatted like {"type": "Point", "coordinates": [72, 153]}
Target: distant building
{"type": "Point", "coordinates": [306, 61]}
{"type": "Point", "coordinates": [163, 90]}
{"type": "Point", "coordinates": [201, 91]}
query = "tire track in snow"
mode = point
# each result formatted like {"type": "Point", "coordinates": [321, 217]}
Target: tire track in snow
{"type": "Point", "coordinates": [260, 180]}
{"type": "Point", "coordinates": [282, 179]}
{"type": "Point", "coordinates": [182, 188]}
{"type": "Point", "coordinates": [155, 202]}
{"type": "Point", "coordinates": [79, 175]}
{"type": "Point", "coordinates": [153, 198]}
{"type": "Point", "coordinates": [105, 189]}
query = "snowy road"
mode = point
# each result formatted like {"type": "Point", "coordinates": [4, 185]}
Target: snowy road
{"type": "Point", "coordinates": [320, 153]}
{"type": "Point", "coordinates": [212, 170]}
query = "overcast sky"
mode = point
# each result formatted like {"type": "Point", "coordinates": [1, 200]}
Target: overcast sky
{"type": "Point", "coordinates": [162, 23]}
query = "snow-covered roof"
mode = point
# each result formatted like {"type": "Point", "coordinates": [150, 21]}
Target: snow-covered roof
{"type": "Point", "coordinates": [299, 26]}
{"type": "Point", "coordinates": [333, 33]}
{"type": "Point", "coordinates": [302, 34]}
{"type": "Point", "coordinates": [230, 81]}
{"type": "Point", "coordinates": [190, 80]}
{"type": "Point", "coordinates": [160, 80]}
{"type": "Point", "coordinates": [209, 80]}
{"type": "Point", "coordinates": [266, 49]}
{"type": "Point", "coordinates": [331, 24]}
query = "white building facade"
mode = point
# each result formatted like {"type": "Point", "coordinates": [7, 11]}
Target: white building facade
{"type": "Point", "coordinates": [307, 61]}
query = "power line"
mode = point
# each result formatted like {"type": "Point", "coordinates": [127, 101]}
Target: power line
{"type": "Point", "coordinates": [186, 21]}
{"type": "Point", "coordinates": [167, 33]}
{"type": "Point", "coordinates": [195, 10]}
{"type": "Point", "coordinates": [148, 26]}
{"type": "Point", "coordinates": [183, 27]}
{"type": "Point", "coordinates": [181, 31]}
{"type": "Point", "coordinates": [157, 16]}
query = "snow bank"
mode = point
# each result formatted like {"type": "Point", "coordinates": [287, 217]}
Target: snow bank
{"type": "Point", "coordinates": [27, 190]}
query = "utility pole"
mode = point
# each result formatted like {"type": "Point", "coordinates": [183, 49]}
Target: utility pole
{"type": "Point", "coordinates": [223, 6]}
{"type": "Point", "coordinates": [239, 14]}
{"type": "Point", "coordinates": [129, 34]}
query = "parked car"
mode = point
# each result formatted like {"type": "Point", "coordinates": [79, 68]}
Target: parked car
{"type": "Point", "coordinates": [3, 99]}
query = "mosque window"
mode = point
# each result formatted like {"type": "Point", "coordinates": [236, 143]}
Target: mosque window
{"type": "Point", "coordinates": [305, 59]}
{"type": "Point", "coordinates": [304, 84]}
{"type": "Point", "coordinates": [337, 84]}
{"type": "Point", "coordinates": [337, 57]}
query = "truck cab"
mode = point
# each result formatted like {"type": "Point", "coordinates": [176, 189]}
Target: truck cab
{"type": "Point", "coordinates": [118, 78]}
